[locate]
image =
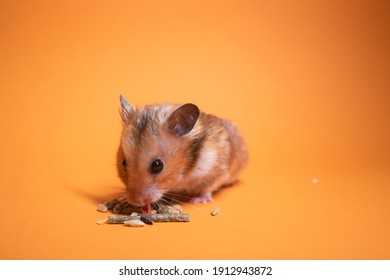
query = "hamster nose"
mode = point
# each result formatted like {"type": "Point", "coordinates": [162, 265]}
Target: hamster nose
{"type": "Point", "coordinates": [136, 200]}
{"type": "Point", "coordinates": [146, 196]}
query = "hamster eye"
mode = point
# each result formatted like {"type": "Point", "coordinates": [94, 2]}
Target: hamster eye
{"type": "Point", "coordinates": [156, 166]}
{"type": "Point", "coordinates": [124, 163]}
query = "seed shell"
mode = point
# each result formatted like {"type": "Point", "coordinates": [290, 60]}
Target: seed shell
{"type": "Point", "coordinates": [178, 208]}
{"type": "Point", "coordinates": [215, 211]}
{"type": "Point", "coordinates": [134, 223]}
{"type": "Point", "coordinates": [102, 208]}
{"type": "Point", "coordinates": [102, 222]}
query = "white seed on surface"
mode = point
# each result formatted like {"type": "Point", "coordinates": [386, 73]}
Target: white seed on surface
{"type": "Point", "coordinates": [101, 222]}
{"type": "Point", "coordinates": [134, 223]}
{"type": "Point", "coordinates": [102, 208]}
{"type": "Point", "coordinates": [153, 212]}
{"type": "Point", "coordinates": [173, 211]}
{"type": "Point", "coordinates": [134, 214]}
{"type": "Point", "coordinates": [215, 211]}
{"type": "Point", "coordinates": [177, 207]}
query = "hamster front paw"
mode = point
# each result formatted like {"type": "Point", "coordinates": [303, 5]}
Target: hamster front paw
{"type": "Point", "coordinates": [207, 197]}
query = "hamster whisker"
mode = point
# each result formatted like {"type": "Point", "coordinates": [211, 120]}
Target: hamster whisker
{"type": "Point", "coordinates": [155, 205]}
{"type": "Point", "coordinates": [163, 200]}
{"type": "Point", "coordinates": [180, 195]}
{"type": "Point", "coordinates": [121, 196]}
{"type": "Point", "coordinates": [188, 204]}
{"type": "Point", "coordinates": [158, 202]}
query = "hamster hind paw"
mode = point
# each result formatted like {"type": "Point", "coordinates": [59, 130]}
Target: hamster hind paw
{"type": "Point", "coordinates": [207, 197]}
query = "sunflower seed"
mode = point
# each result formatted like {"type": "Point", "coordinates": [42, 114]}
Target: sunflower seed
{"type": "Point", "coordinates": [146, 219]}
{"type": "Point", "coordinates": [111, 204]}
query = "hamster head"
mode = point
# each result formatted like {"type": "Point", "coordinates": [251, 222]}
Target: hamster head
{"type": "Point", "coordinates": [151, 156]}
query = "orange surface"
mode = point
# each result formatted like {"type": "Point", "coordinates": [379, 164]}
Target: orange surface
{"type": "Point", "coordinates": [306, 81]}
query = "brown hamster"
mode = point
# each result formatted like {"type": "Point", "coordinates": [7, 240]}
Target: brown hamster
{"type": "Point", "coordinates": [168, 148]}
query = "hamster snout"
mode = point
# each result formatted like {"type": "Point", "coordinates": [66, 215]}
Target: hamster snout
{"type": "Point", "coordinates": [176, 149]}
{"type": "Point", "coordinates": [144, 196]}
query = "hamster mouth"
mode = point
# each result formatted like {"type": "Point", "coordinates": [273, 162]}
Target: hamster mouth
{"type": "Point", "coordinates": [145, 198]}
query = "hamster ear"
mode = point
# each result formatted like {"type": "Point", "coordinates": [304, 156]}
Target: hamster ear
{"type": "Point", "coordinates": [126, 110]}
{"type": "Point", "coordinates": [183, 119]}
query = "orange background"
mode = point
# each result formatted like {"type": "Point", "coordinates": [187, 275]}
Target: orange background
{"type": "Point", "coordinates": [307, 82]}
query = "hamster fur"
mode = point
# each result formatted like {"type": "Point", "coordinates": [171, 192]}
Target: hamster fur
{"type": "Point", "coordinates": [170, 149]}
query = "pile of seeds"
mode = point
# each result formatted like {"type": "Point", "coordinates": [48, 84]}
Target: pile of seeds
{"type": "Point", "coordinates": [133, 216]}
{"type": "Point", "coordinates": [123, 207]}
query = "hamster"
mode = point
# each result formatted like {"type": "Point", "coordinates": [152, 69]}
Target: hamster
{"type": "Point", "coordinates": [170, 149]}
